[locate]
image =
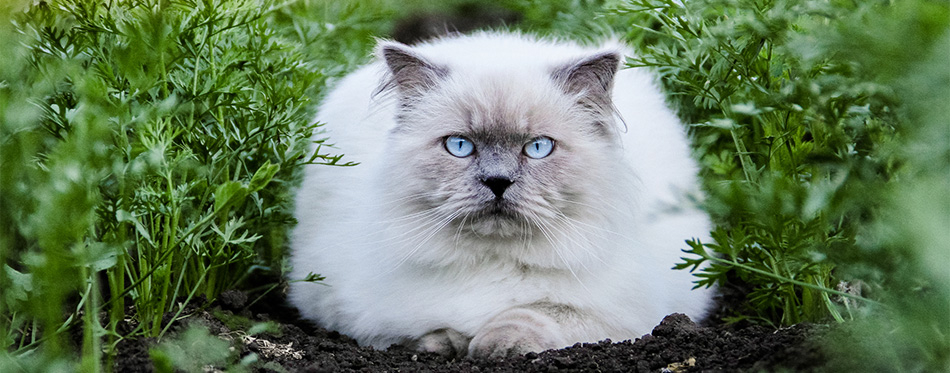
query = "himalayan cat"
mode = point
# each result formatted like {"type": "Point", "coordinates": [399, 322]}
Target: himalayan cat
{"type": "Point", "coordinates": [514, 194]}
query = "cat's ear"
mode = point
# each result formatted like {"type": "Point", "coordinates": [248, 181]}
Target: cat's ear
{"type": "Point", "coordinates": [410, 73]}
{"type": "Point", "coordinates": [591, 78]}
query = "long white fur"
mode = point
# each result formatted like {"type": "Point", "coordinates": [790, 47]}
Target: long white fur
{"type": "Point", "coordinates": [392, 278]}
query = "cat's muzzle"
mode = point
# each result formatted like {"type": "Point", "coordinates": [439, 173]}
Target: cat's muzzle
{"type": "Point", "coordinates": [499, 217]}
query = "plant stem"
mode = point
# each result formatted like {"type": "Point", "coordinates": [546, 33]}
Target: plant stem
{"type": "Point", "coordinates": [793, 281]}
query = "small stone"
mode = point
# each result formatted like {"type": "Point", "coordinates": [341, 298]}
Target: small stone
{"type": "Point", "coordinates": [233, 299]}
{"type": "Point", "coordinates": [674, 324]}
{"type": "Point", "coordinates": [563, 362]}
{"type": "Point", "coordinates": [254, 346]}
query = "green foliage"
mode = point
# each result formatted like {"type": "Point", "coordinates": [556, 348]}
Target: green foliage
{"type": "Point", "coordinates": [822, 129]}
{"type": "Point", "coordinates": [195, 350]}
{"type": "Point", "coordinates": [785, 142]}
{"type": "Point", "coordinates": [908, 50]}
{"type": "Point", "coordinates": [149, 149]}
{"type": "Point", "coordinates": [336, 36]}
{"type": "Point", "coordinates": [573, 19]}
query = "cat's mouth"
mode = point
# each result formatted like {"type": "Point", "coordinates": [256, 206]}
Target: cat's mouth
{"type": "Point", "coordinates": [501, 208]}
{"type": "Point", "coordinates": [498, 218]}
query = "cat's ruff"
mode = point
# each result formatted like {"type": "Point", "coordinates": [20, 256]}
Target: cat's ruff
{"type": "Point", "coordinates": [505, 242]}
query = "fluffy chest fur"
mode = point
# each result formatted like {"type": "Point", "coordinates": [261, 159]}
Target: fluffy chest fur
{"type": "Point", "coordinates": [500, 201]}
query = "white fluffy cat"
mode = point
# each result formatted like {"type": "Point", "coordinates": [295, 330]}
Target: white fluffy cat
{"type": "Point", "coordinates": [501, 204]}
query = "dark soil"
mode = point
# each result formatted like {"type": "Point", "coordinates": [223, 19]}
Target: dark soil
{"type": "Point", "coordinates": [677, 344]}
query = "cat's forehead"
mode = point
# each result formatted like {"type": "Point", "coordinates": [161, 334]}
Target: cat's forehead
{"type": "Point", "coordinates": [506, 103]}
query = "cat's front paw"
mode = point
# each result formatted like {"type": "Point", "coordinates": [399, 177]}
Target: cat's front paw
{"type": "Point", "coordinates": [516, 332]}
{"type": "Point", "coordinates": [449, 343]}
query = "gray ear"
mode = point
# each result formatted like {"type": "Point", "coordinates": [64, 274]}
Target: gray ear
{"type": "Point", "coordinates": [411, 73]}
{"type": "Point", "coordinates": [591, 77]}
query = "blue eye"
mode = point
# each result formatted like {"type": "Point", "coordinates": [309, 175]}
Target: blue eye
{"type": "Point", "coordinates": [459, 146]}
{"type": "Point", "coordinates": [539, 148]}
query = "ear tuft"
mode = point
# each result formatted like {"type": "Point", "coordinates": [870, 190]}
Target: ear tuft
{"type": "Point", "coordinates": [411, 73]}
{"type": "Point", "coordinates": [591, 77]}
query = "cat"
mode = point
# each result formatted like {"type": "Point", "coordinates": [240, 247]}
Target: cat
{"type": "Point", "coordinates": [514, 194]}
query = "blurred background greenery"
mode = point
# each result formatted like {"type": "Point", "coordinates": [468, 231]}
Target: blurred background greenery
{"type": "Point", "coordinates": [150, 149]}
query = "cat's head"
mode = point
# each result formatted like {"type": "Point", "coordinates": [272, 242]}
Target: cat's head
{"type": "Point", "coordinates": [499, 150]}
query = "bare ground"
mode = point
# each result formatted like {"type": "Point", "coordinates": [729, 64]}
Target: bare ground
{"type": "Point", "coordinates": [677, 344]}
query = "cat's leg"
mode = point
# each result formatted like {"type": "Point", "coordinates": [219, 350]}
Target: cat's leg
{"type": "Point", "coordinates": [446, 342]}
{"type": "Point", "coordinates": [531, 328]}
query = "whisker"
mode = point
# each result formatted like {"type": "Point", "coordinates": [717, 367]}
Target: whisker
{"type": "Point", "coordinates": [526, 237]}
{"type": "Point", "coordinates": [414, 215]}
{"type": "Point", "coordinates": [458, 232]}
{"type": "Point", "coordinates": [554, 245]}
{"type": "Point", "coordinates": [419, 223]}
{"type": "Point", "coordinates": [598, 209]}
{"type": "Point", "coordinates": [588, 245]}
{"type": "Point", "coordinates": [430, 233]}
{"type": "Point", "coordinates": [625, 237]}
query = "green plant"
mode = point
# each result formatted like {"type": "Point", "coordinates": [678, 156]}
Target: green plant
{"type": "Point", "coordinates": [336, 36]}
{"type": "Point", "coordinates": [804, 112]}
{"type": "Point", "coordinates": [906, 50]}
{"type": "Point", "coordinates": [149, 149]}
{"type": "Point", "coordinates": [784, 141]}
{"type": "Point", "coordinates": [193, 351]}
{"type": "Point", "coordinates": [196, 349]}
